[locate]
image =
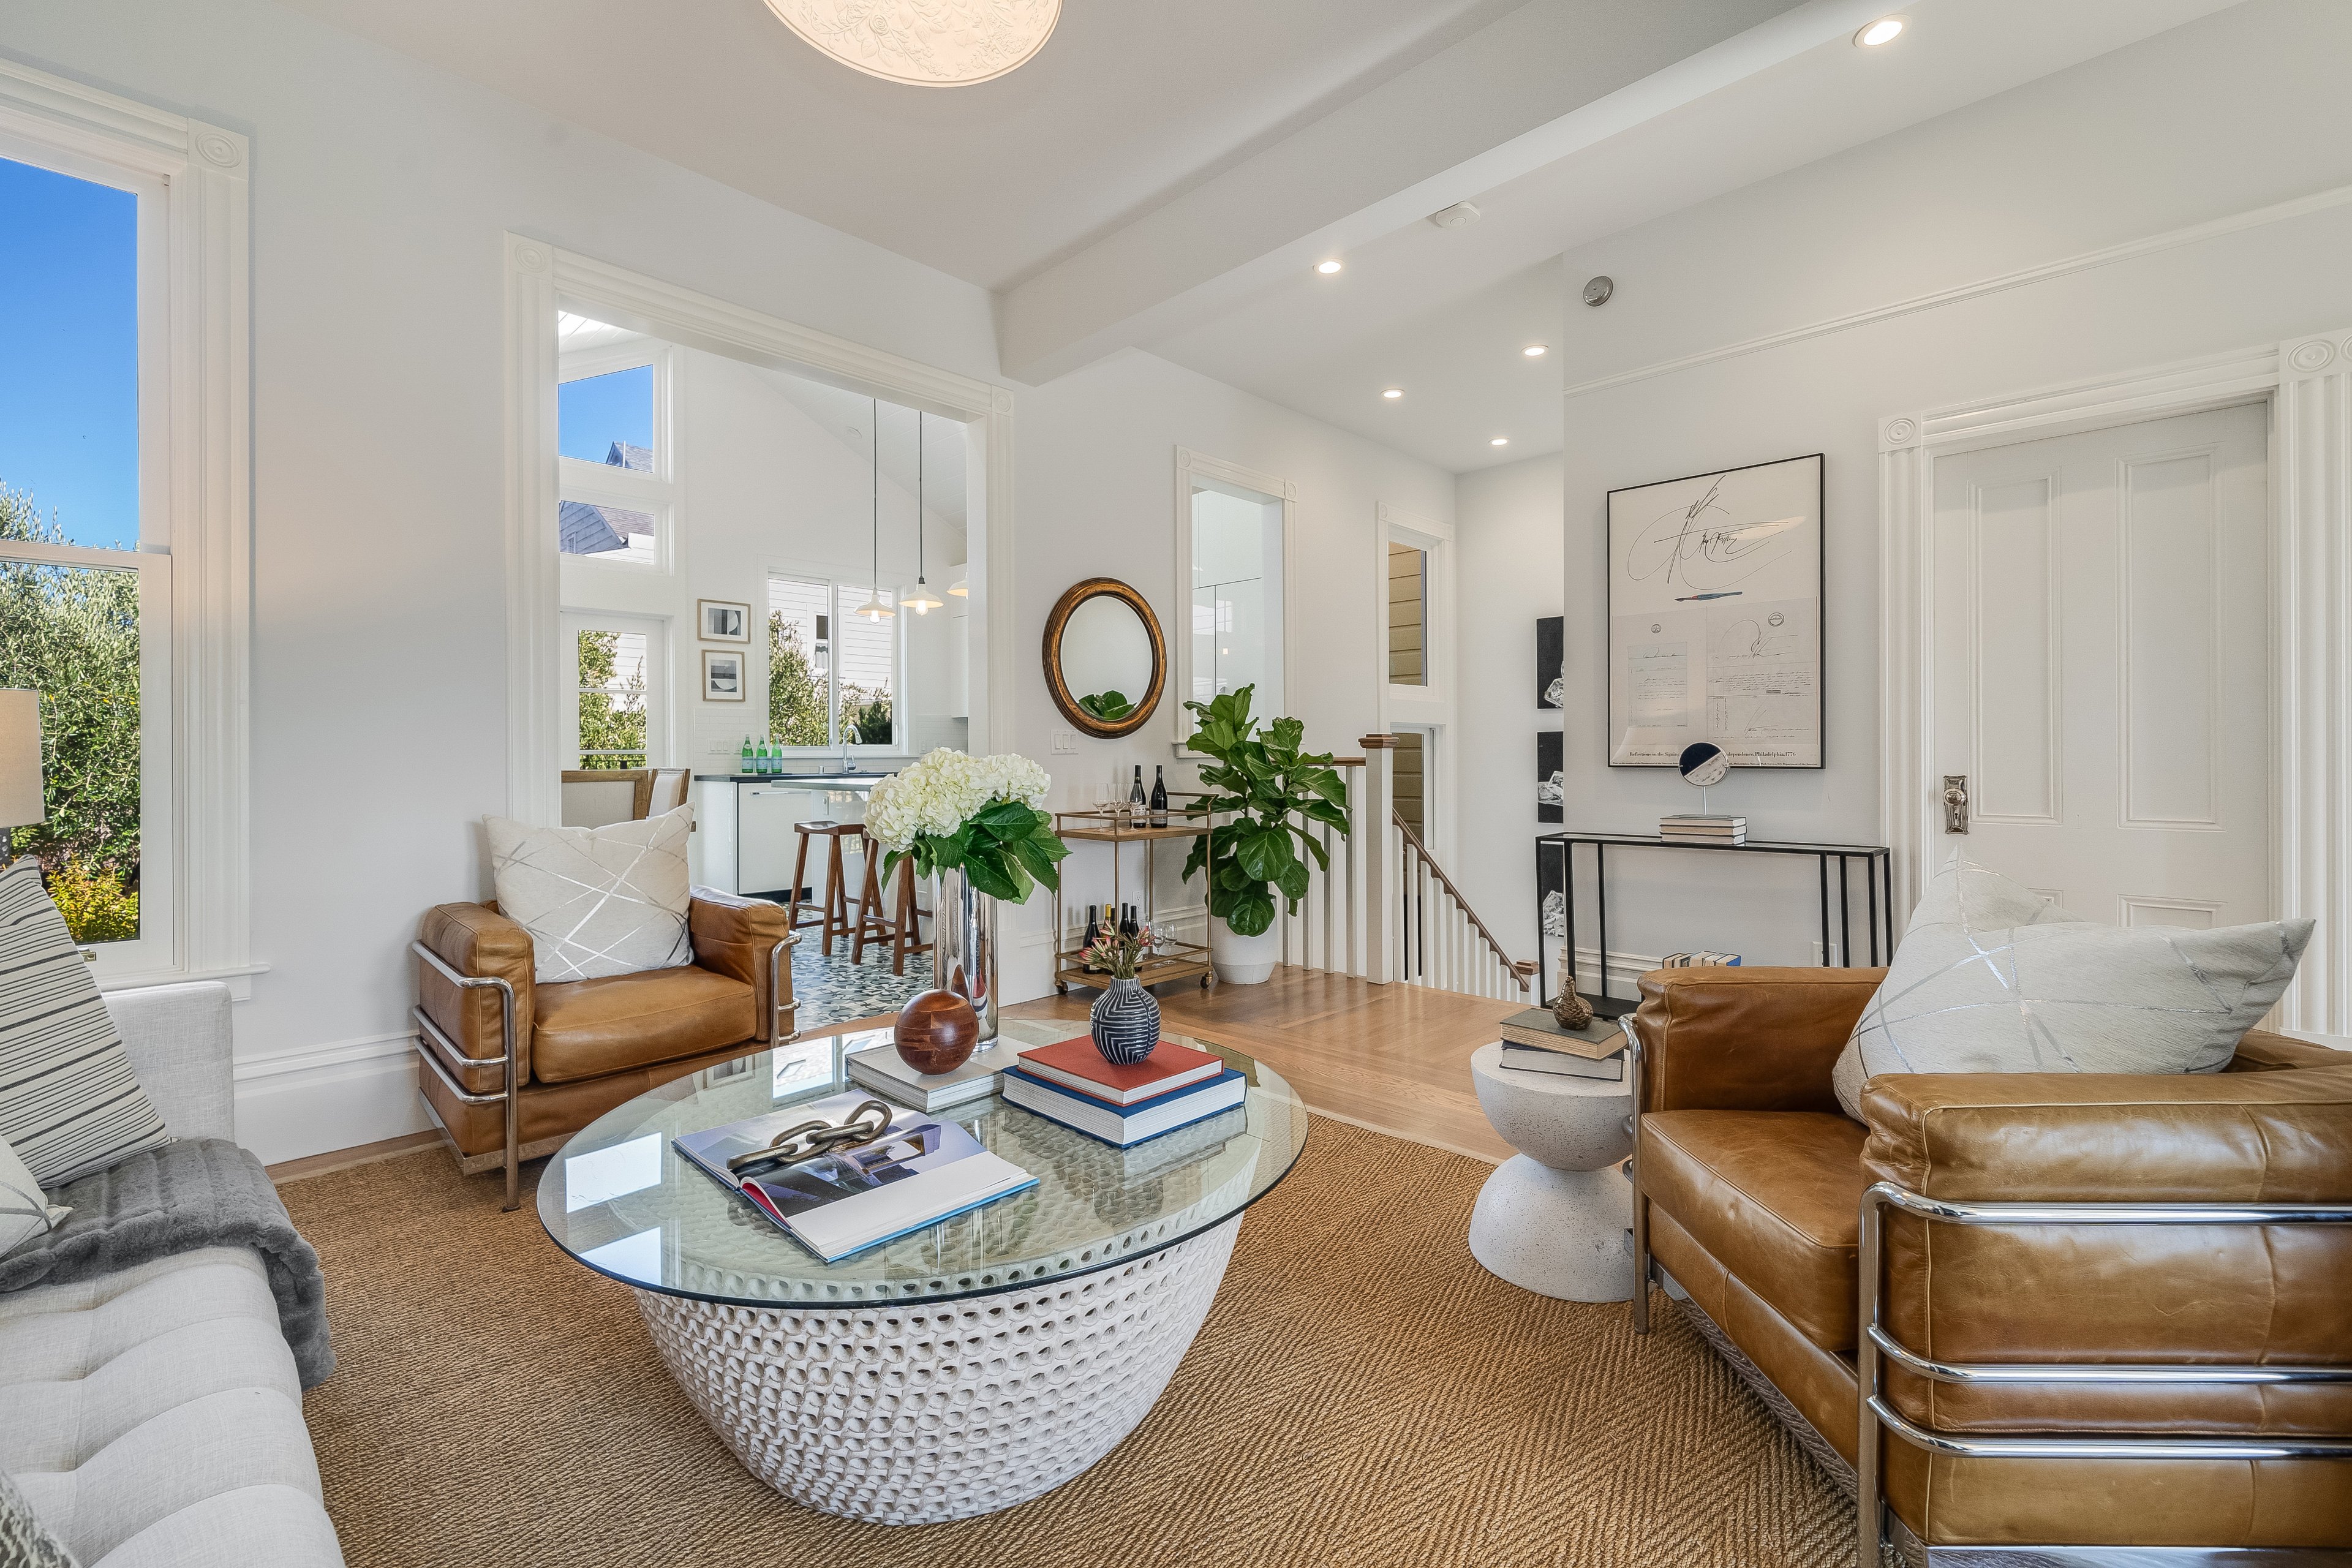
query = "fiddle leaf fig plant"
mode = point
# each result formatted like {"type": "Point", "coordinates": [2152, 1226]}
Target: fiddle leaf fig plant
{"type": "Point", "coordinates": [1263, 795]}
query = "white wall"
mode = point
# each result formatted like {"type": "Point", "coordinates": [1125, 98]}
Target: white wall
{"type": "Point", "coordinates": [1097, 489]}
{"type": "Point", "coordinates": [1506, 541]}
{"type": "Point", "coordinates": [2229, 114]}
{"type": "Point", "coordinates": [760, 485]}
{"type": "Point", "coordinates": [381, 189]}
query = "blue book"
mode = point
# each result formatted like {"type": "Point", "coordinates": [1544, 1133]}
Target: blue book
{"type": "Point", "coordinates": [1124, 1126]}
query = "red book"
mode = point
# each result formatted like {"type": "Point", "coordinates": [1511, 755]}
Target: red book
{"type": "Point", "coordinates": [1076, 1065]}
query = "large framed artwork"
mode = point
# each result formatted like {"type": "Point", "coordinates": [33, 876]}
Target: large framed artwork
{"type": "Point", "coordinates": [1715, 616]}
{"type": "Point", "coordinates": [1551, 683]}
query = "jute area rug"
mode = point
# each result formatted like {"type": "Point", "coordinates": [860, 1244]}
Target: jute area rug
{"type": "Point", "coordinates": [1362, 1395]}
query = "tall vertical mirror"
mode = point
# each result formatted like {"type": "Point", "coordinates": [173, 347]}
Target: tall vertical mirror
{"type": "Point", "coordinates": [1234, 638]}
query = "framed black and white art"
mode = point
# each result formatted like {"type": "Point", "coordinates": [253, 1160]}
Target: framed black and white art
{"type": "Point", "coordinates": [1551, 785]}
{"type": "Point", "coordinates": [722, 676]}
{"type": "Point", "coordinates": [1551, 682]}
{"type": "Point", "coordinates": [1714, 617]}
{"type": "Point", "coordinates": [723, 620]}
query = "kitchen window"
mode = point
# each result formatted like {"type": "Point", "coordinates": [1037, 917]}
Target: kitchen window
{"type": "Point", "coordinates": [833, 674]}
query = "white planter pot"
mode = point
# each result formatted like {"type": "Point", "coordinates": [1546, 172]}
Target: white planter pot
{"type": "Point", "coordinates": [1243, 959]}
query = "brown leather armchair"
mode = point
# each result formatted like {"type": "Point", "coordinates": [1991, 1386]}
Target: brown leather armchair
{"type": "Point", "coordinates": [510, 1069]}
{"type": "Point", "coordinates": [2063, 1271]}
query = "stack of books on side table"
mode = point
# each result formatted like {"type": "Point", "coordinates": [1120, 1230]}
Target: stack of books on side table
{"type": "Point", "coordinates": [1703, 958]}
{"type": "Point", "coordinates": [1699, 827]}
{"type": "Point", "coordinates": [1069, 1082]}
{"type": "Point", "coordinates": [885, 1071]}
{"type": "Point", "coordinates": [1533, 1041]}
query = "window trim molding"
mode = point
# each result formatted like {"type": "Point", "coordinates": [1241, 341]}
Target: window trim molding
{"type": "Point", "coordinates": [1192, 465]}
{"type": "Point", "coordinates": [539, 276]}
{"type": "Point", "coordinates": [203, 508]}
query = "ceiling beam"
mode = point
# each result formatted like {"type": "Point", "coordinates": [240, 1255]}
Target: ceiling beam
{"type": "Point", "coordinates": [1540, 85]}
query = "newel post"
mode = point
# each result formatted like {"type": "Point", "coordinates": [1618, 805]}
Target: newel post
{"type": "Point", "coordinates": [1372, 810]}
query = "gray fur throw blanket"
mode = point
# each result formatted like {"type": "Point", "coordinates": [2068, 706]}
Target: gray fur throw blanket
{"type": "Point", "coordinates": [184, 1196]}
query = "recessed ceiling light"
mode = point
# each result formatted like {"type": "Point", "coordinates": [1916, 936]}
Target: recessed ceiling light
{"type": "Point", "coordinates": [1883, 31]}
{"type": "Point", "coordinates": [1393, 393]}
{"type": "Point", "coordinates": [980, 43]}
{"type": "Point", "coordinates": [1326, 268]}
{"type": "Point", "coordinates": [1500, 441]}
{"type": "Point", "coordinates": [1536, 350]}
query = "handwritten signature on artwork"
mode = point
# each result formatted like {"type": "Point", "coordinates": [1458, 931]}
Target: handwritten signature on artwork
{"type": "Point", "coordinates": [1687, 545]}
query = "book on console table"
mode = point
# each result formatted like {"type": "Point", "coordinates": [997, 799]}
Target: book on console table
{"type": "Point", "coordinates": [1125, 1126]}
{"type": "Point", "coordinates": [919, 1172]}
{"type": "Point", "coordinates": [1542, 1058]}
{"type": "Point", "coordinates": [1076, 1065]}
{"type": "Point", "coordinates": [1538, 1029]}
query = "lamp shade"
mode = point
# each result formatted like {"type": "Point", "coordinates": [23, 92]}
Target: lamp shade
{"type": "Point", "coordinates": [20, 759]}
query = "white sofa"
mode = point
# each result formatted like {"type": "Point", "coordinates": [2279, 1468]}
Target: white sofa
{"type": "Point", "coordinates": [152, 1417]}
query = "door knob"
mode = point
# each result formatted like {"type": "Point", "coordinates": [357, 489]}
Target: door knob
{"type": "Point", "coordinates": [1956, 802]}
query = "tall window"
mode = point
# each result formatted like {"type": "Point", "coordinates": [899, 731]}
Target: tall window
{"type": "Point", "coordinates": [1236, 612]}
{"type": "Point", "coordinates": [615, 691]}
{"type": "Point", "coordinates": [1408, 599]}
{"type": "Point", "coordinates": [613, 447]}
{"type": "Point", "coordinates": [832, 675]}
{"type": "Point", "coordinates": [84, 612]}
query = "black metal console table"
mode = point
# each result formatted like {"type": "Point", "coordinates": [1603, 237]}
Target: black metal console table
{"type": "Point", "coordinates": [1878, 880]}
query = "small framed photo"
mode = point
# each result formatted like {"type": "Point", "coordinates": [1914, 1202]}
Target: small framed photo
{"type": "Point", "coordinates": [722, 676]}
{"type": "Point", "coordinates": [723, 620]}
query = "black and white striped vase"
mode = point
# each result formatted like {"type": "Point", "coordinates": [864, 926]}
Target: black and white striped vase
{"type": "Point", "coordinates": [1126, 1023]}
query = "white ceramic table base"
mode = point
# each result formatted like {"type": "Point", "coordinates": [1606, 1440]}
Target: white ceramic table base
{"type": "Point", "coordinates": [934, 1410]}
{"type": "Point", "coordinates": [1557, 1233]}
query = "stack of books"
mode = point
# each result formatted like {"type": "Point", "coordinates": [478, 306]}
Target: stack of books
{"type": "Point", "coordinates": [885, 1071]}
{"type": "Point", "coordinates": [918, 1172]}
{"type": "Point", "coordinates": [1122, 1105]}
{"type": "Point", "coordinates": [1699, 827]}
{"type": "Point", "coordinates": [1699, 960]}
{"type": "Point", "coordinates": [1533, 1041]}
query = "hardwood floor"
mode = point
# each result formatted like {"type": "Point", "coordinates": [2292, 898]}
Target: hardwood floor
{"type": "Point", "coordinates": [1395, 1059]}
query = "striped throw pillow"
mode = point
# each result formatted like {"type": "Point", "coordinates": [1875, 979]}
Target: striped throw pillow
{"type": "Point", "coordinates": [69, 1102]}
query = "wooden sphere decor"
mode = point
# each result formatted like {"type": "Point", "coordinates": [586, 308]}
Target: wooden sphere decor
{"type": "Point", "coordinates": [936, 1032]}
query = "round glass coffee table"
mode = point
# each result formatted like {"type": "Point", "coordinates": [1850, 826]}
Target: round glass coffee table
{"type": "Point", "coordinates": [954, 1372]}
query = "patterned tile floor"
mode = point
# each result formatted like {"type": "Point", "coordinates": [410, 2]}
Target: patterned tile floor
{"type": "Point", "coordinates": [830, 990]}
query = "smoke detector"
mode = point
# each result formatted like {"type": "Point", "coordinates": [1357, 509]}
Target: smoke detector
{"type": "Point", "coordinates": [1461, 215]}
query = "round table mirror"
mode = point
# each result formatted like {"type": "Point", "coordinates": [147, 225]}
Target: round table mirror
{"type": "Point", "coordinates": [1106, 661]}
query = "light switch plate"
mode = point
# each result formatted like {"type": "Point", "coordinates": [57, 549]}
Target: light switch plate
{"type": "Point", "coordinates": [1066, 741]}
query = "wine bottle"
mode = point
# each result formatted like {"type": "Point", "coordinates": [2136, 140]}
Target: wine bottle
{"type": "Point", "coordinates": [1094, 925]}
{"type": "Point", "coordinates": [1159, 798]}
{"type": "Point", "coordinates": [1128, 924]}
{"type": "Point", "coordinates": [1135, 791]}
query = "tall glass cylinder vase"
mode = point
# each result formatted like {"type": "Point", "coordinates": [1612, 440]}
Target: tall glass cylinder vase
{"type": "Point", "coordinates": [963, 955]}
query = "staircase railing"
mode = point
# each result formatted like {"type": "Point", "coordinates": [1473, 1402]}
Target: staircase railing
{"type": "Point", "coordinates": [1384, 909]}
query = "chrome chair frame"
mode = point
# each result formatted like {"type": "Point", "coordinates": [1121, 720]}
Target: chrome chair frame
{"type": "Point", "coordinates": [507, 1095]}
{"type": "Point", "coordinates": [1875, 1343]}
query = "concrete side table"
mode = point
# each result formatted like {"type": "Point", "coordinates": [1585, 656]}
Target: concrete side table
{"type": "Point", "coordinates": [1552, 1218]}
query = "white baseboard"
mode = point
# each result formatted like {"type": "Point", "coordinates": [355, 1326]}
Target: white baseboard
{"type": "Point", "coordinates": [330, 1096]}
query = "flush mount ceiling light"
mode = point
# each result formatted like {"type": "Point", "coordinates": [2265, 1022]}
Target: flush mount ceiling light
{"type": "Point", "coordinates": [924, 42]}
{"type": "Point", "coordinates": [1883, 31]}
{"type": "Point", "coordinates": [1326, 268]}
{"type": "Point", "coordinates": [1393, 393]}
{"type": "Point", "coordinates": [1536, 350]}
{"type": "Point", "coordinates": [1500, 441]}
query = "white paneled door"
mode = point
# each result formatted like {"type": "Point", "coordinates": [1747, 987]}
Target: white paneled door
{"type": "Point", "coordinates": [2102, 638]}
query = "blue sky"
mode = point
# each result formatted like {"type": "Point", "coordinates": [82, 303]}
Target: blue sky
{"type": "Point", "coordinates": [595, 411]}
{"type": "Point", "coordinates": [70, 351]}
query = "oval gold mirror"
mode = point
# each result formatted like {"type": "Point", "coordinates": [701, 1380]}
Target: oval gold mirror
{"type": "Point", "coordinates": [1106, 662]}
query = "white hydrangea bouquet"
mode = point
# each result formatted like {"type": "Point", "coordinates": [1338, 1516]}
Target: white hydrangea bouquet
{"type": "Point", "coordinates": [980, 816]}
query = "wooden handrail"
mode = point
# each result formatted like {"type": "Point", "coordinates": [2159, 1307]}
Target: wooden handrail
{"type": "Point", "coordinates": [1523, 968]}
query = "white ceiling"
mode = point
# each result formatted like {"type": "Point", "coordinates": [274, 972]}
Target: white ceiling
{"type": "Point", "coordinates": [1165, 175]}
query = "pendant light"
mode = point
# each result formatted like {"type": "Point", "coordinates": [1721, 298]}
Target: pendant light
{"type": "Point", "coordinates": [920, 600]}
{"type": "Point", "coordinates": [873, 609]}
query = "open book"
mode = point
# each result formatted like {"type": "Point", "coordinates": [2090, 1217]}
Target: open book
{"type": "Point", "coordinates": [918, 1172]}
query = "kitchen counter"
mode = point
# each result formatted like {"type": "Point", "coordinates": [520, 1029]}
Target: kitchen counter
{"type": "Point", "coordinates": [821, 781]}
{"type": "Point", "coordinates": [747, 842]}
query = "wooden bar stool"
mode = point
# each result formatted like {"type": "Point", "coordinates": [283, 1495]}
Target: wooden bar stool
{"type": "Point", "coordinates": [835, 907]}
{"type": "Point", "coordinates": [870, 923]}
{"type": "Point", "coordinates": [907, 920]}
